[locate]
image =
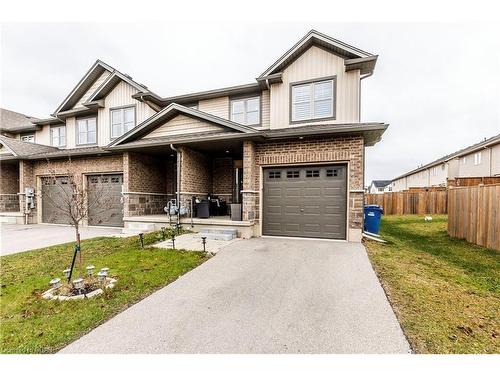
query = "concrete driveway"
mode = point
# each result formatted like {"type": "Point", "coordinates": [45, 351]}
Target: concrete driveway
{"type": "Point", "coordinates": [263, 295]}
{"type": "Point", "coordinates": [15, 238]}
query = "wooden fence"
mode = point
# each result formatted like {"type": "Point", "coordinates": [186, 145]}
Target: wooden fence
{"type": "Point", "coordinates": [411, 202]}
{"type": "Point", "coordinates": [474, 214]}
{"type": "Point", "coordinates": [474, 181]}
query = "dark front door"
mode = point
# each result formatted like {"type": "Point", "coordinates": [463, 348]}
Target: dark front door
{"type": "Point", "coordinates": [308, 201]}
{"type": "Point", "coordinates": [105, 200]}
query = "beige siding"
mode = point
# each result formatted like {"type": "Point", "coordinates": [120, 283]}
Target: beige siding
{"type": "Point", "coordinates": [217, 106]}
{"type": "Point", "coordinates": [266, 108]}
{"type": "Point", "coordinates": [71, 132]}
{"type": "Point", "coordinates": [438, 175]}
{"type": "Point", "coordinates": [182, 125]}
{"type": "Point", "coordinates": [92, 89]}
{"type": "Point", "coordinates": [495, 160]}
{"type": "Point", "coordinates": [42, 136]}
{"type": "Point", "coordinates": [312, 64]}
{"type": "Point", "coordinates": [399, 185]}
{"type": "Point", "coordinates": [470, 169]}
{"type": "Point", "coordinates": [120, 96]}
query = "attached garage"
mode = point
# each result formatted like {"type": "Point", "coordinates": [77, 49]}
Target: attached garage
{"type": "Point", "coordinates": [56, 194]}
{"type": "Point", "coordinates": [106, 190]}
{"type": "Point", "coordinates": [309, 201]}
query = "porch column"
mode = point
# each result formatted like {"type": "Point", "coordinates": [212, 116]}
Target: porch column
{"type": "Point", "coordinates": [250, 192]}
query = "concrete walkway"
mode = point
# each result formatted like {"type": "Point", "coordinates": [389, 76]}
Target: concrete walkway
{"type": "Point", "coordinates": [16, 238]}
{"type": "Point", "coordinates": [193, 242]}
{"type": "Point", "coordinates": [263, 295]}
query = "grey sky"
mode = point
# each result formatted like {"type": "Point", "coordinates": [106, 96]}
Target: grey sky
{"type": "Point", "coordinates": [437, 85]}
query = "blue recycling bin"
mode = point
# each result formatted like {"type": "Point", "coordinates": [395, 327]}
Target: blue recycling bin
{"type": "Point", "coordinates": [373, 214]}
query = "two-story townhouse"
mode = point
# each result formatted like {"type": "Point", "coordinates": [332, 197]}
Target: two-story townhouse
{"type": "Point", "coordinates": [288, 148]}
{"type": "Point", "coordinates": [477, 161]}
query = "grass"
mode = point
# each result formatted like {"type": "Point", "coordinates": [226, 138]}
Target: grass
{"type": "Point", "coordinates": [445, 291]}
{"type": "Point", "coordinates": [30, 324]}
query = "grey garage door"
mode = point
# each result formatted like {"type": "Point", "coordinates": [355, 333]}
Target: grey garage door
{"type": "Point", "coordinates": [305, 202]}
{"type": "Point", "coordinates": [105, 200]}
{"type": "Point", "coordinates": [56, 195]}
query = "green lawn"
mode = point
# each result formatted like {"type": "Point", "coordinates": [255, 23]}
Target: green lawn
{"type": "Point", "coordinates": [445, 291]}
{"type": "Point", "coordinates": [30, 324]}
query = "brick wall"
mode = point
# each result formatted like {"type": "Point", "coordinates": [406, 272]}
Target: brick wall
{"type": "Point", "coordinates": [222, 180]}
{"type": "Point", "coordinates": [154, 176]}
{"type": "Point", "coordinates": [9, 187]}
{"type": "Point", "coordinates": [29, 171]}
{"type": "Point", "coordinates": [326, 149]}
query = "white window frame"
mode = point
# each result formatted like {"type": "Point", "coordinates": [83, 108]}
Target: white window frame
{"type": "Point", "coordinates": [245, 110]}
{"type": "Point", "coordinates": [78, 132]}
{"type": "Point", "coordinates": [313, 83]}
{"type": "Point", "coordinates": [58, 129]}
{"type": "Point", "coordinates": [28, 138]}
{"type": "Point", "coordinates": [121, 110]}
{"type": "Point", "coordinates": [477, 158]}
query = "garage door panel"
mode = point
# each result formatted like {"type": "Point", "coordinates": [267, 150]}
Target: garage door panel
{"type": "Point", "coordinates": [55, 193]}
{"type": "Point", "coordinates": [106, 190]}
{"type": "Point", "coordinates": [313, 201]}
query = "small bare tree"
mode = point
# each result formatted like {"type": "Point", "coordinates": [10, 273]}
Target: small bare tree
{"type": "Point", "coordinates": [71, 199]}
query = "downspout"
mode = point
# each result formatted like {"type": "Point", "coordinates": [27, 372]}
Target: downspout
{"type": "Point", "coordinates": [178, 173]}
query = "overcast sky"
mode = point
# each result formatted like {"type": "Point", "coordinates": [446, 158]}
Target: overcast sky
{"type": "Point", "coordinates": [437, 85]}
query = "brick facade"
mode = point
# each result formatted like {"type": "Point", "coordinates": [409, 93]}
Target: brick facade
{"type": "Point", "coordinates": [222, 180]}
{"type": "Point", "coordinates": [9, 187]}
{"type": "Point", "coordinates": [152, 176]}
{"type": "Point", "coordinates": [30, 171]}
{"type": "Point", "coordinates": [314, 150]}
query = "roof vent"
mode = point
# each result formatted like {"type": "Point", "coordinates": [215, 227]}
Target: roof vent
{"type": "Point", "coordinates": [126, 75]}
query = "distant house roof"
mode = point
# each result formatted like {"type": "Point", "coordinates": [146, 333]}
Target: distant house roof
{"type": "Point", "coordinates": [465, 151]}
{"type": "Point", "coordinates": [23, 149]}
{"type": "Point", "coordinates": [14, 122]}
{"type": "Point", "coordinates": [381, 183]}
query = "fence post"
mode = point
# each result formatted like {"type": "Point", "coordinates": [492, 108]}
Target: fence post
{"type": "Point", "coordinates": [479, 216]}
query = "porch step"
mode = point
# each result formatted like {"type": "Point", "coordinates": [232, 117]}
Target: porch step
{"type": "Point", "coordinates": [222, 234]}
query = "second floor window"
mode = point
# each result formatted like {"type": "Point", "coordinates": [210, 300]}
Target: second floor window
{"type": "Point", "coordinates": [58, 136]}
{"type": "Point", "coordinates": [313, 100]}
{"type": "Point", "coordinates": [246, 111]}
{"type": "Point", "coordinates": [87, 131]}
{"type": "Point", "coordinates": [122, 120]}
{"type": "Point", "coordinates": [28, 138]}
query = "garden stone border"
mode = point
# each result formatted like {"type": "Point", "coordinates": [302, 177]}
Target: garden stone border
{"type": "Point", "coordinates": [50, 294]}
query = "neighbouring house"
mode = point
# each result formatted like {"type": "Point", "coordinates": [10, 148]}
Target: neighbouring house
{"type": "Point", "coordinates": [479, 161]}
{"type": "Point", "coordinates": [288, 148]}
{"type": "Point", "coordinates": [379, 187]}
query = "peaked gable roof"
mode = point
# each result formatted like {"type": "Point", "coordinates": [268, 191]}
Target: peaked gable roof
{"type": "Point", "coordinates": [170, 112]}
{"type": "Point", "coordinates": [355, 58]}
{"type": "Point", "coordinates": [95, 71]}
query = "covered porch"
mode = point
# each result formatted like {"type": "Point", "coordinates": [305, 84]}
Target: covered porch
{"type": "Point", "coordinates": [203, 178]}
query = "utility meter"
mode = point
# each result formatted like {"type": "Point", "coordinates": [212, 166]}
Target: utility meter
{"type": "Point", "coordinates": [30, 197]}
